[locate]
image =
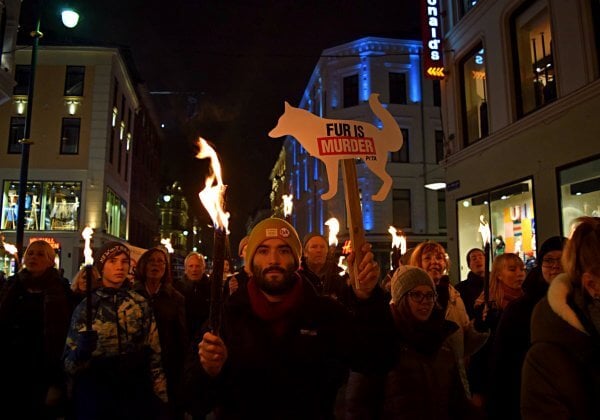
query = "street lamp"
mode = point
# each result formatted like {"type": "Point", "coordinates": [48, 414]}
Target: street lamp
{"type": "Point", "coordinates": [26, 141]}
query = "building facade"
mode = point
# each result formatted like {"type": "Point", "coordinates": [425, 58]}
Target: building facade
{"type": "Point", "coordinates": [339, 88]}
{"type": "Point", "coordinates": [520, 102]}
{"type": "Point", "coordinates": [82, 126]}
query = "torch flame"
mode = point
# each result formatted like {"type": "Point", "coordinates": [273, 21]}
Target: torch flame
{"type": "Point", "coordinates": [398, 241]}
{"type": "Point", "coordinates": [86, 234]}
{"type": "Point", "coordinates": [212, 194]}
{"type": "Point", "coordinates": [334, 228]}
{"type": "Point", "coordinates": [10, 248]}
{"type": "Point", "coordinates": [288, 204]}
{"type": "Point", "coordinates": [167, 243]}
{"type": "Point", "coordinates": [342, 264]}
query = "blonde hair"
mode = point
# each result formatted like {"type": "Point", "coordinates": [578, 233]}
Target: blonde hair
{"type": "Point", "coordinates": [425, 247]}
{"type": "Point", "coordinates": [80, 279]}
{"type": "Point", "coordinates": [496, 290]}
{"type": "Point", "coordinates": [48, 251]}
{"type": "Point", "coordinates": [582, 251]}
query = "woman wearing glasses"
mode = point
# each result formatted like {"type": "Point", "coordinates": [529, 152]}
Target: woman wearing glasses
{"type": "Point", "coordinates": [418, 376]}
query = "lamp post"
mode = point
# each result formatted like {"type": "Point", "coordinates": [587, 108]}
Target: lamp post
{"type": "Point", "coordinates": [70, 19]}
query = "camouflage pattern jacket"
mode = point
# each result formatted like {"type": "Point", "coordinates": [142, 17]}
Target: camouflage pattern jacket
{"type": "Point", "coordinates": [126, 326]}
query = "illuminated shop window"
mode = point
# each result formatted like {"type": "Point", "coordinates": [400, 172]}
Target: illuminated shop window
{"type": "Point", "coordinates": [474, 96]}
{"type": "Point", "coordinates": [115, 217]}
{"type": "Point", "coordinates": [51, 205]}
{"type": "Point", "coordinates": [504, 215]}
{"type": "Point", "coordinates": [532, 43]}
{"type": "Point", "coordinates": [579, 192]}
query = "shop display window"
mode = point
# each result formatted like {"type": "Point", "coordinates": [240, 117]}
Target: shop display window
{"type": "Point", "coordinates": [51, 205]}
{"type": "Point", "coordinates": [504, 216]}
{"type": "Point", "coordinates": [579, 192]}
{"type": "Point", "coordinates": [115, 218]}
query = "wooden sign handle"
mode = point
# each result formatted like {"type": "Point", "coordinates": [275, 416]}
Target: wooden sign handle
{"type": "Point", "coordinates": [357, 230]}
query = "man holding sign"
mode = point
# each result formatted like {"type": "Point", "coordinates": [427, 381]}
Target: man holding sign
{"type": "Point", "coordinates": [279, 339]}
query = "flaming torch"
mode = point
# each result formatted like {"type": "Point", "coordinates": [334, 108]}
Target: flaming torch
{"type": "Point", "coordinates": [89, 273]}
{"type": "Point", "coordinates": [167, 243]}
{"type": "Point", "coordinates": [288, 205]}
{"type": "Point", "coordinates": [213, 198]}
{"type": "Point", "coordinates": [12, 250]}
{"type": "Point", "coordinates": [398, 247]}
{"type": "Point", "coordinates": [334, 228]}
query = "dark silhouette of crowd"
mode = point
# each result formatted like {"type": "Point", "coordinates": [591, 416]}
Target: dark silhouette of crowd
{"type": "Point", "coordinates": [301, 339]}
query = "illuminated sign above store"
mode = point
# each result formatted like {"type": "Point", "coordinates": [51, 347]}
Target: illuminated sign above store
{"type": "Point", "coordinates": [51, 241]}
{"type": "Point", "coordinates": [433, 63]}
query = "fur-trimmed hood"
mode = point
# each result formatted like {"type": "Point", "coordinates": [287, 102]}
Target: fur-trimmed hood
{"type": "Point", "coordinates": [560, 288]}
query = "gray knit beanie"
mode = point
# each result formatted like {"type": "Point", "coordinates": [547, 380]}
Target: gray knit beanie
{"type": "Point", "coordinates": [406, 278]}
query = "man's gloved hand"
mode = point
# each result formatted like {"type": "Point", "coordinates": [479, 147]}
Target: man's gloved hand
{"type": "Point", "coordinates": [86, 344]}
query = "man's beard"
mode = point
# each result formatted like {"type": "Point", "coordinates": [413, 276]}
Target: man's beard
{"type": "Point", "coordinates": [275, 287]}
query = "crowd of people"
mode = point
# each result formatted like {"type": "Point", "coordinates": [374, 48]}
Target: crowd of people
{"type": "Point", "coordinates": [300, 339]}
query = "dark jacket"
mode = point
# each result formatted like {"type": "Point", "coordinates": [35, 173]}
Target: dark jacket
{"type": "Point", "coordinates": [561, 373]}
{"type": "Point", "coordinates": [511, 342]}
{"type": "Point", "coordinates": [421, 380]}
{"type": "Point", "coordinates": [328, 283]}
{"type": "Point", "coordinates": [197, 301]}
{"type": "Point", "coordinates": [33, 328]}
{"type": "Point", "coordinates": [291, 376]}
{"type": "Point", "coordinates": [469, 290]}
{"type": "Point", "coordinates": [168, 306]}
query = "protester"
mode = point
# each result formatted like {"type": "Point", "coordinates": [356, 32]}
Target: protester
{"type": "Point", "coordinates": [506, 278]}
{"type": "Point", "coordinates": [279, 350]}
{"type": "Point", "coordinates": [432, 257]}
{"type": "Point", "coordinates": [195, 287]}
{"type": "Point", "coordinates": [79, 284]}
{"type": "Point", "coordinates": [35, 309]}
{"type": "Point", "coordinates": [320, 268]}
{"type": "Point", "coordinates": [115, 367]}
{"type": "Point", "coordinates": [420, 379]}
{"type": "Point", "coordinates": [513, 333]}
{"type": "Point", "coordinates": [561, 373]}
{"type": "Point", "coordinates": [472, 286]}
{"type": "Point", "coordinates": [153, 281]}
{"type": "Point", "coordinates": [239, 279]}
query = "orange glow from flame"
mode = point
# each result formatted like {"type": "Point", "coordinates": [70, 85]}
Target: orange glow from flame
{"type": "Point", "coordinates": [212, 194]}
{"type": "Point", "coordinates": [398, 240]}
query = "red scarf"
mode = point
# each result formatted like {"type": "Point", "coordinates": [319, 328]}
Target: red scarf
{"type": "Point", "coordinates": [275, 313]}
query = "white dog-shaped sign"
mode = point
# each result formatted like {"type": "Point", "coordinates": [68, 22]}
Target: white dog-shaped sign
{"type": "Point", "coordinates": [333, 140]}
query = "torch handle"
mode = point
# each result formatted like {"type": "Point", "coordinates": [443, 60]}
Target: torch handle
{"type": "Point", "coordinates": [486, 278]}
{"type": "Point", "coordinates": [357, 230]}
{"type": "Point", "coordinates": [88, 294]}
{"type": "Point", "coordinates": [216, 281]}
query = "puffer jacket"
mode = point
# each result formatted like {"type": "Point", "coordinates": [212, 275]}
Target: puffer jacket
{"type": "Point", "coordinates": [127, 354]}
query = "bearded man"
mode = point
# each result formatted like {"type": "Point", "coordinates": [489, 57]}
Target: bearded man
{"type": "Point", "coordinates": [281, 346]}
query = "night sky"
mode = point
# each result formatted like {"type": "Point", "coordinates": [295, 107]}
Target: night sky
{"type": "Point", "coordinates": [228, 67]}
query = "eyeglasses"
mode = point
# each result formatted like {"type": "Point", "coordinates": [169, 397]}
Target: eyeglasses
{"type": "Point", "coordinates": [419, 297]}
{"type": "Point", "coordinates": [549, 262]}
